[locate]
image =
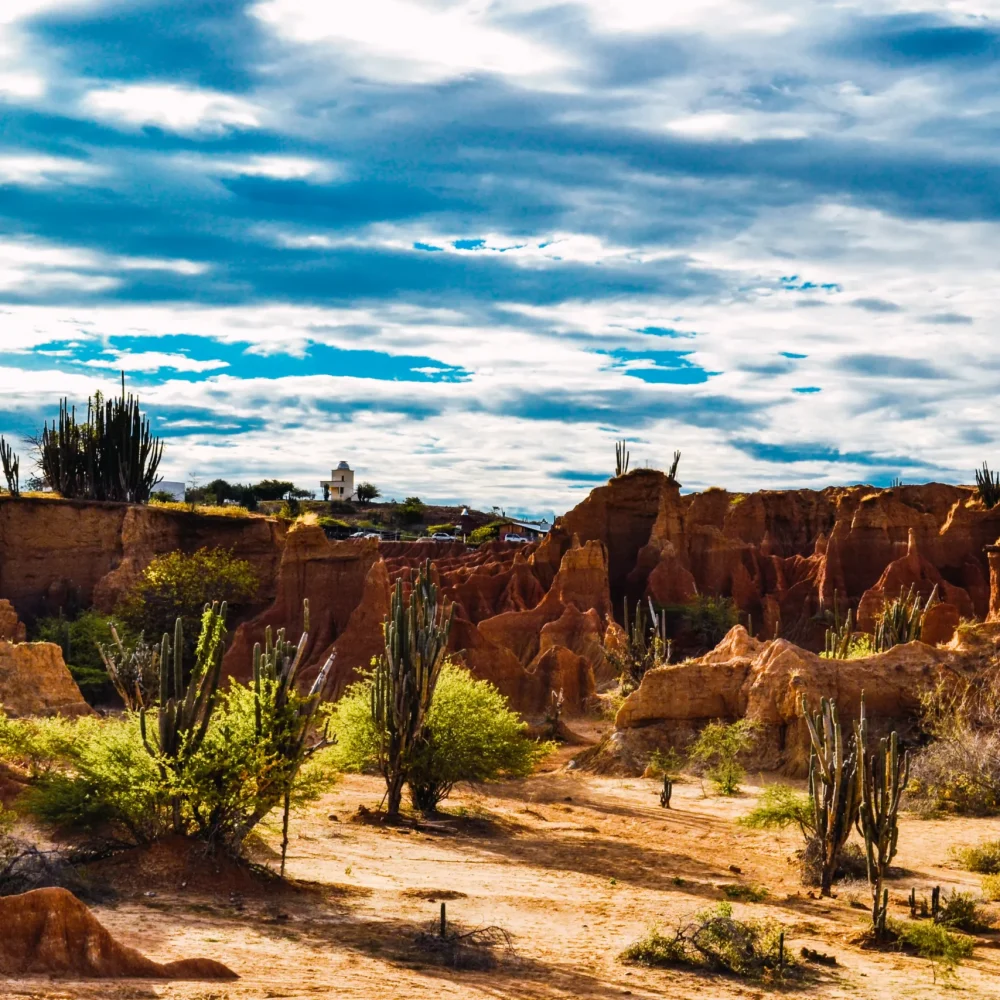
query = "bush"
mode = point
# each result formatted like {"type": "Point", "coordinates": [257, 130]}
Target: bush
{"type": "Point", "coordinates": [983, 858]}
{"type": "Point", "coordinates": [472, 736]}
{"type": "Point", "coordinates": [745, 892]}
{"type": "Point", "coordinates": [959, 773]}
{"type": "Point", "coordinates": [933, 941]}
{"type": "Point", "coordinates": [962, 911]}
{"type": "Point", "coordinates": [777, 807]}
{"type": "Point", "coordinates": [991, 887]}
{"type": "Point", "coordinates": [179, 585]}
{"type": "Point", "coordinates": [88, 774]}
{"type": "Point", "coordinates": [448, 529]}
{"type": "Point", "coordinates": [487, 533]}
{"type": "Point", "coordinates": [753, 949]}
{"type": "Point", "coordinates": [664, 763]}
{"type": "Point", "coordinates": [706, 619]}
{"type": "Point", "coordinates": [78, 639]}
{"type": "Point", "coordinates": [411, 511]}
{"type": "Point", "coordinates": [719, 746]}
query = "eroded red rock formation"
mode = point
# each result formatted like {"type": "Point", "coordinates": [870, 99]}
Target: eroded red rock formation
{"type": "Point", "coordinates": [532, 617]}
{"type": "Point", "coordinates": [50, 932]}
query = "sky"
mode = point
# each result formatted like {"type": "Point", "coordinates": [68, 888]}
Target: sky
{"type": "Point", "coordinates": [466, 245]}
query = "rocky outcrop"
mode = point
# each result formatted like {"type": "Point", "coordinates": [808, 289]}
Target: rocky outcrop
{"type": "Point", "coordinates": [49, 932]}
{"type": "Point", "coordinates": [11, 627]}
{"type": "Point", "coordinates": [34, 680]}
{"type": "Point", "coordinates": [72, 554]}
{"type": "Point", "coordinates": [332, 576]}
{"type": "Point", "coordinates": [764, 682]}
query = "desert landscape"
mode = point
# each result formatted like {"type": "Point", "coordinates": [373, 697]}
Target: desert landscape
{"type": "Point", "coordinates": [663, 786]}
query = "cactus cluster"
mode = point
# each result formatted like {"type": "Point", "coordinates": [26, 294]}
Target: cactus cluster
{"type": "Point", "coordinates": [899, 621]}
{"type": "Point", "coordinates": [621, 458]}
{"type": "Point", "coordinates": [884, 777]}
{"type": "Point", "coordinates": [113, 456]}
{"type": "Point", "coordinates": [988, 486]}
{"type": "Point", "coordinates": [283, 719]}
{"type": "Point", "coordinates": [186, 704]}
{"type": "Point", "coordinates": [416, 637]}
{"type": "Point", "coordinates": [11, 468]}
{"type": "Point", "coordinates": [134, 671]}
{"type": "Point", "coordinates": [645, 646]}
{"type": "Point", "coordinates": [834, 785]}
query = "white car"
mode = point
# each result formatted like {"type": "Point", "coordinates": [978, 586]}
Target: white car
{"type": "Point", "coordinates": [441, 536]}
{"type": "Point", "coordinates": [516, 539]}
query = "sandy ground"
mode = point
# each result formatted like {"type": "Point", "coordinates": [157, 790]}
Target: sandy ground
{"type": "Point", "coordinates": [575, 867]}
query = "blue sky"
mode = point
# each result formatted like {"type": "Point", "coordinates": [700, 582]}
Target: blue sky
{"type": "Point", "coordinates": [466, 245]}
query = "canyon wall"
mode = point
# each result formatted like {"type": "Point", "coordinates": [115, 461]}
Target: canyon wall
{"type": "Point", "coordinates": [533, 618]}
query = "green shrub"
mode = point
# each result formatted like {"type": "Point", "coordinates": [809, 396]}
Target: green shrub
{"type": "Point", "coordinates": [78, 638]}
{"type": "Point", "coordinates": [962, 911]}
{"type": "Point", "coordinates": [664, 763]}
{"type": "Point", "coordinates": [983, 858]}
{"type": "Point", "coordinates": [991, 887]}
{"type": "Point", "coordinates": [714, 939]}
{"type": "Point", "coordinates": [487, 533]}
{"type": "Point", "coordinates": [473, 736]}
{"type": "Point", "coordinates": [411, 511]}
{"type": "Point", "coordinates": [719, 747]}
{"type": "Point", "coordinates": [933, 941]}
{"type": "Point", "coordinates": [179, 585]}
{"type": "Point", "coordinates": [745, 892]}
{"type": "Point", "coordinates": [326, 522]}
{"type": "Point", "coordinates": [777, 807]}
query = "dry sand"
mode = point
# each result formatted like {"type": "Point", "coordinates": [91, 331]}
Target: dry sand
{"type": "Point", "coordinates": [573, 866]}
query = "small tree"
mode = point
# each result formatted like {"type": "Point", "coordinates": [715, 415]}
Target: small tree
{"type": "Point", "coordinates": [366, 492]}
{"type": "Point", "coordinates": [719, 746]}
{"type": "Point", "coordinates": [470, 735]}
{"type": "Point", "coordinates": [179, 585]}
{"type": "Point", "coordinates": [416, 636]}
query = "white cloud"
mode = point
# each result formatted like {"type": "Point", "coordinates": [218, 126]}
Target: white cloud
{"type": "Point", "coordinates": [32, 169]}
{"type": "Point", "coordinates": [154, 361]}
{"type": "Point", "coordinates": [172, 107]}
{"type": "Point", "coordinates": [412, 40]}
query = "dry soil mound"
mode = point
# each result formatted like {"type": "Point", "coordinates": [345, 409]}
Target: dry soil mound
{"type": "Point", "coordinates": [50, 932]}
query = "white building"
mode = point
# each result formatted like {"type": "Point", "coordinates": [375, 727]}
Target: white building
{"type": "Point", "coordinates": [340, 485]}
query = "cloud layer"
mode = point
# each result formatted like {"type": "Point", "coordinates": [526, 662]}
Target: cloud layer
{"type": "Point", "coordinates": [467, 245]}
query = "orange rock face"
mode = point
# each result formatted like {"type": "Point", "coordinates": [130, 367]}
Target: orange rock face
{"type": "Point", "coordinates": [764, 682]}
{"type": "Point", "coordinates": [34, 680]}
{"type": "Point", "coordinates": [50, 932]}
{"type": "Point", "coordinates": [11, 627]}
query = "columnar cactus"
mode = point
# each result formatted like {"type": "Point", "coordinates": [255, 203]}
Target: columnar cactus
{"type": "Point", "coordinates": [186, 706]}
{"type": "Point", "coordinates": [834, 786]}
{"type": "Point", "coordinates": [884, 777]}
{"type": "Point", "coordinates": [284, 718]}
{"type": "Point", "coordinates": [621, 458]}
{"type": "Point", "coordinates": [416, 637]}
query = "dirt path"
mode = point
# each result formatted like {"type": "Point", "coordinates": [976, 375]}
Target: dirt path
{"type": "Point", "coordinates": [574, 866]}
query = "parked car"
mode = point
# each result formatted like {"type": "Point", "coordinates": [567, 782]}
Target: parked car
{"type": "Point", "coordinates": [516, 539]}
{"type": "Point", "coordinates": [442, 536]}
{"type": "Point", "coordinates": [358, 534]}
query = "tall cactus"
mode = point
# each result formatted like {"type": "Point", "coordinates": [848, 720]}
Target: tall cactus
{"type": "Point", "coordinates": [283, 718]}
{"type": "Point", "coordinates": [185, 706]}
{"type": "Point", "coordinates": [11, 468]}
{"type": "Point", "coordinates": [883, 780]}
{"type": "Point", "coordinates": [621, 458]}
{"type": "Point", "coordinates": [644, 647]}
{"type": "Point", "coordinates": [113, 456]}
{"type": "Point", "coordinates": [834, 786]}
{"type": "Point", "coordinates": [416, 637]}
